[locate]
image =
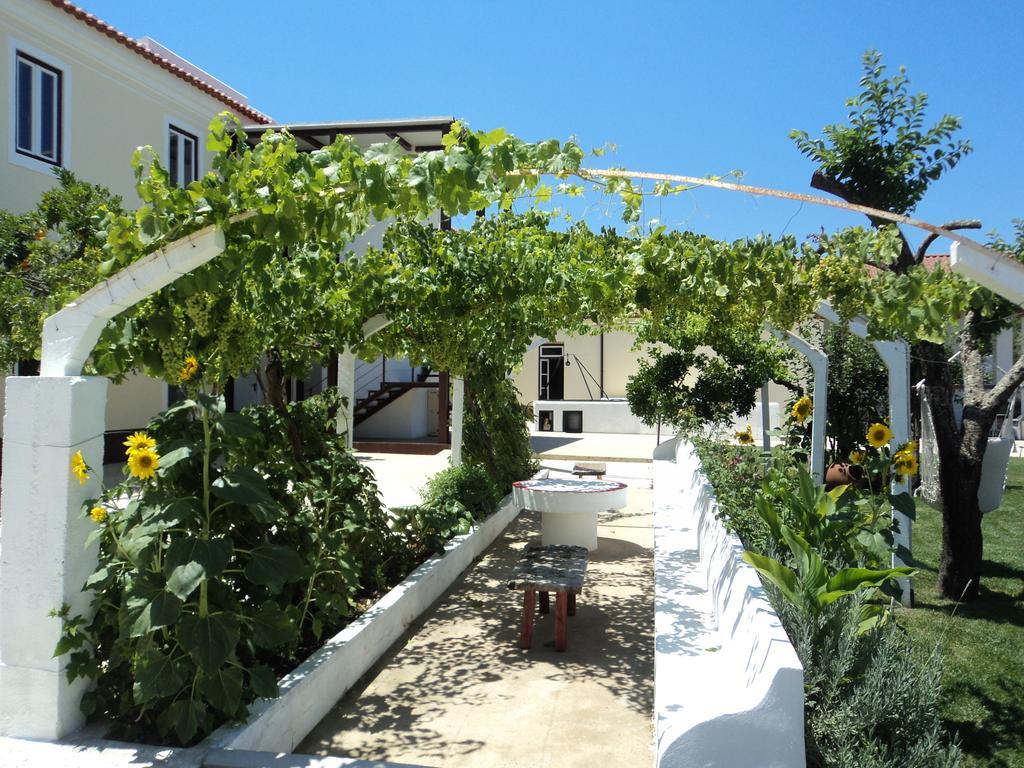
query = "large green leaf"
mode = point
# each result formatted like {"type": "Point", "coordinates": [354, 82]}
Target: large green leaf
{"type": "Point", "coordinates": [223, 689]}
{"type": "Point", "coordinates": [212, 554]}
{"type": "Point", "coordinates": [157, 675]}
{"type": "Point", "coordinates": [850, 579]}
{"type": "Point", "coordinates": [184, 579]}
{"type": "Point", "coordinates": [183, 717]}
{"type": "Point", "coordinates": [782, 577]}
{"type": "Point", "coordinates": [274, 566]}
{"type": "Point", "coordinates": [242, 486]}
{"type": "Point", "coordinates": [210, 640]}
{"type": "Point", "coordinates": [272, 627]}
{"type": "Point", "coordinates": [263, 682]}
{"type": "Point", "coordinates": [239, 426]}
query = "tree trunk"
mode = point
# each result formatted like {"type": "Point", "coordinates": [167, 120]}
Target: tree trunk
{"type": "Point", "coordinates": [274, 392]}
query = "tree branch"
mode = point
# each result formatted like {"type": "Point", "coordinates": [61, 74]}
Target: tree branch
{"type": "Point", "coordinates": [835, 187]}
{"type": "Point", "coordinates": [997, 396]}
{"type": "Point", "coordinates": [931, 237]}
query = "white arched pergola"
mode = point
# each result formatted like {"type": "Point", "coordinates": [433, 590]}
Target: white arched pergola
{"type": "Point", "coordinates": [896, 357]}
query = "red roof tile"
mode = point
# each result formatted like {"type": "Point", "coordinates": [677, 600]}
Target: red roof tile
{"type": "Point", "coordinates": [160, 61]}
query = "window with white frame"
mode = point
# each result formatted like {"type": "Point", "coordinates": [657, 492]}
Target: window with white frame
{"type": "Point", "coordinates": [182, 156]}
{"type": "Point", "coordinates": [38, 109]}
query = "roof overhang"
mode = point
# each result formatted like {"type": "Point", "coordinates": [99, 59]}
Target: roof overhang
{"type": "Point", "coordinates": [420, 134]}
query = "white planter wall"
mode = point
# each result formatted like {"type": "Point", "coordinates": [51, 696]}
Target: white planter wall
{"type": "Point", "coordinates": [728, 686]}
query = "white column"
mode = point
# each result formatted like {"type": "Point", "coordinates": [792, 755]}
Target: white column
{"type": "Point", "coordinates": [896, 356]}
{"type": "Point", "coordinates": [347, 390]}
{"type": "Point", "coordinates": [458, 407]}
{"type": "Point", "coordinates": [1002, 353]}
{"type": "Point", "coordinates": [43, 559]}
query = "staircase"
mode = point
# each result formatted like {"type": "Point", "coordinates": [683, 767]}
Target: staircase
{"type": "Point", "coordinates": [377, 399]}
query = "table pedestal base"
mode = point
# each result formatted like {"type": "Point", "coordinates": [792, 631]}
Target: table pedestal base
{"type": "Point", "coordinates": [576, 528]}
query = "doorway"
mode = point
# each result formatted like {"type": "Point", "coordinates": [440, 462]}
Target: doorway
{"type": "Point", "coordinates": [551, 372]}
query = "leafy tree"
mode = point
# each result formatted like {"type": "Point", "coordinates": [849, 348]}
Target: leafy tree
{"type": "Point", "coordinates": [48, 256]}
{"type": "Point", "coordinates": [886, 158]}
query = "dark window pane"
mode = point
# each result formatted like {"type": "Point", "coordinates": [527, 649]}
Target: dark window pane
{"type": "Point", "coordinates": [24, 106]}
{"type": "Point", "coordinates": [47, 117]}
{"type": "Point", "coordinates": [172, 159]}
{"type": "Point", "coordinates": [189, 163]}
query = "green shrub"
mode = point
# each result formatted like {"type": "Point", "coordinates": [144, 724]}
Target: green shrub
{"type": "Point", "coordinates": [872, 701]}
{"type": "Point", "coordinates": [425, 530]}
{"type": "Point", "coordinates": [469, 485]}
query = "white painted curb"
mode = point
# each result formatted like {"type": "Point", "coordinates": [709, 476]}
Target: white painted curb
{"type": "Point", "coordinates": [728, 686]}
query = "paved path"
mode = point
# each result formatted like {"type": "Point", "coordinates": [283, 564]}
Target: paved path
{"type": "Point", "coordinates": [457, 690]}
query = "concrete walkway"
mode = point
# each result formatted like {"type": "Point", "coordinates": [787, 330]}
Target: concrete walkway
{"type": "Point", "coordinates": [458, 691]}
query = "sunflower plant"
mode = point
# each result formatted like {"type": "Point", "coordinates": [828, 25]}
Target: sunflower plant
{"type": "Point", "coordinates": [221, 563]}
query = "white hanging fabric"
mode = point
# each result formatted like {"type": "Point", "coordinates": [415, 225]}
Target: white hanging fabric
{"type": "Point", "coordinates": [928, 452]}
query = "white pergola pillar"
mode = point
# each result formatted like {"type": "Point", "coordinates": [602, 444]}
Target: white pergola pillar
{"type": "Point", "coordinates": [43, 559]}
{"type": "Point", "coordinates": [458, 412]}
{"type": "Point", "coordinates": [347, 390]}
{"type": "Point", "coordinates": [819, 364]}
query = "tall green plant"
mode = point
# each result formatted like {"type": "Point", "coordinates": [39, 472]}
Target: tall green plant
{"type": "Point", "coordinates": [226, 561]}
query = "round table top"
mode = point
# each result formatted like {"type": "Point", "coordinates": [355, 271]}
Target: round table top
{"type": "Point", "coordinates": [569, 485]}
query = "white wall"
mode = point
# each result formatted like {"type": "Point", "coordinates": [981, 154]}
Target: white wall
{"type": "Point", "coordinates": [402, 419]}
{"type": "Point", "coordinates": [114, 101]}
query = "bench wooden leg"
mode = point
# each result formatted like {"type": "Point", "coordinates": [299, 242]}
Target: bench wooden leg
{"type": "Point", "coordinates": [545, 603]}
{"type": "Point", "coordinates": [529, 604]}
{"type": "Point", "coordinates": [561, 622]}
{"type": "Point", "coordinates": [572, 603]}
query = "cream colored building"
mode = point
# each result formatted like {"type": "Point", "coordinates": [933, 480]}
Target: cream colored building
{"type": "Point", "coordinates": [82, 95]}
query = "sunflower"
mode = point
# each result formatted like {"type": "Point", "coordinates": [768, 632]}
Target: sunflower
{"type": "Point", "coordinates": [905, 465]}
{"type": "Point", "coordinates": [745, 437]}
{"type": "Point", "coordinates": [79, 468]}
{"type": "Point", "coordinates": [98, 514]}
{"type": "Point", "coordinates": [143, 463]}
{"type": "Point", "coordinates": [139, 441]}
{"type": "Point", "coordinates": [802, 409]}
{"type": "Point", "coordinates": [188, 369]}
{"type": "Point", "coordinates": [879, 435]}
{"type": "Point", "coordinates": [857, 457]}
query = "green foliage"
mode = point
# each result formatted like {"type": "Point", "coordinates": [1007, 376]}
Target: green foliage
{"type": "Point", "coordinates": [496, 434]}
{"type": "Point", "coordinates": [872, 700]}
{"type": "Point", "coordinates": [469, 485]}
{"type": "Point", "coordinates": [48, 256]}
{"type": "Point", "coordinates": [223, 569]}
{"type": "Point", "coordinates": [886, 157]}
{"type": "Point", "coordinates": [858, 384]}
{"type": "Point", "coordinates": [692, 387]}
{"type": "Point", "coordinates": [424, 530]}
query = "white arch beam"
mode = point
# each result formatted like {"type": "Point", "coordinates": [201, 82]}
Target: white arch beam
{"type": "Point", "coordinates": [70, 334]}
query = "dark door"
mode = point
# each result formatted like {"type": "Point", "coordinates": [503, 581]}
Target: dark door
{"type": "Point", "coordinates": [552, 372]}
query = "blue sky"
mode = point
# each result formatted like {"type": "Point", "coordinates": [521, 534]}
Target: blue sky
{"type": "Point", "coordinates": [683, 87]}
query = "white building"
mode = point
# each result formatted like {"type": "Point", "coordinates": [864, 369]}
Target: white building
{"type": "Point", "coordinates": [81, 95]}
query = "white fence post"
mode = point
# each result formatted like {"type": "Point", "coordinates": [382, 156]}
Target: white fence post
{"type": "Point", "coordinates": [458, 407]}
{"type": "Point", "coordinates": [44, 560]}
{"type": "Point", "coordinates": [347, 390]}
{"type": "Point", "coordinates": [819, 364]}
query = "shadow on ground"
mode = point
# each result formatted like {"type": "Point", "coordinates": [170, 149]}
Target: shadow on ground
{"type": "Point", "coordinates": [457, 689]}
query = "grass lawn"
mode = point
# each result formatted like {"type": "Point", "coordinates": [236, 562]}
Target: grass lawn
{"type": "Point", "coordinates": [983, 643]}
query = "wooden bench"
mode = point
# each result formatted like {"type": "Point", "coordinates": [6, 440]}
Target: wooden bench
{"type": "Point", "coordinates": [558, 568]}
{"type": "Point", "coordinates": [590, 469]}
